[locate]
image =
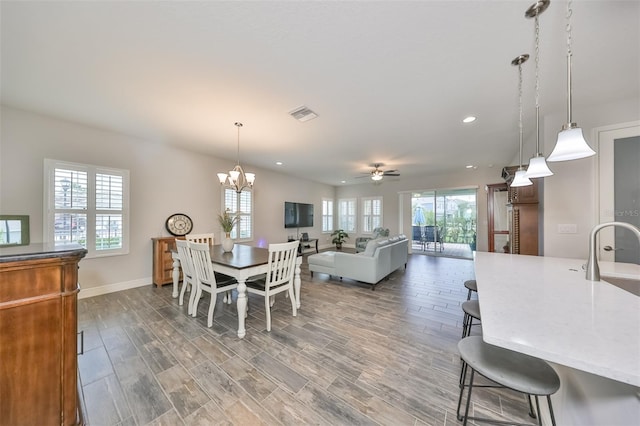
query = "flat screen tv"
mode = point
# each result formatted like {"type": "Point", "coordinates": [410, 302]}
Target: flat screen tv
{"type": "Point", "coordinates": [298, 215]}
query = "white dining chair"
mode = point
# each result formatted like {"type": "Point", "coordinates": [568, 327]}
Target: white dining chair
{"type": "Point", "coordinates": [279, 277]}
{"type": "Point", "coordinates": [188, 273]}
{"type": "Point", "coordinates": [207, 280]}
{"type": "Point", "coordinates": [201, 238]}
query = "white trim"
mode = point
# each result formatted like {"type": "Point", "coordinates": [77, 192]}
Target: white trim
{"type": "Point", "coordinates": [112, 288]}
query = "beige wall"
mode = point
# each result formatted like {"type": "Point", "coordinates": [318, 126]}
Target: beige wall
{"type": "Point", "coordinates": [164, 180]}
{"type": "Point", "coordinates": [570, 196]}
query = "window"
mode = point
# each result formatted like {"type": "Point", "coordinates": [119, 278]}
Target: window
{"type": "Point", "coordinates": [88, 205]}
{"type": "Point", "coordinates": [327, 215]}
{"type": "Point", "coordinates": [347, 214]}
{"type": "Point", "coordinates": [241, 205]}
{"type": "Point", "coordinates": [371, 214]}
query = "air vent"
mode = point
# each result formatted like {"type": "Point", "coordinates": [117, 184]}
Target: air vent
{"type": "Point", "coordinates": [303, 114]}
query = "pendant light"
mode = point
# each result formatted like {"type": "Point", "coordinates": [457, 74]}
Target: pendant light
{"type": "Point", "coordinates": [537, 164]}
{"type": "Point", "coordinates": [520, 179]}
{"type": "Point", "coordinates": [571, 144]}
{"type": "Point", "coordinates": [237, 178]}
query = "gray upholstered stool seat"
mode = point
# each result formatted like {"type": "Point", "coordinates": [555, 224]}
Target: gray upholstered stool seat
{"type": "Point", "coordinates": [507, 368]}
{"type": "Point", "coordinates": [472, 286]}
{"type": "Point", "coordinates": [471, 309]}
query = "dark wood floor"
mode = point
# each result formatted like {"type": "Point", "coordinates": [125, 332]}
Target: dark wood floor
{"type": "Point", "coordinates": [352, 356]}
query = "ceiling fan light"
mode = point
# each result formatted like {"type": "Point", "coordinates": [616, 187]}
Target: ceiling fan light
{"type": "Point", "coordinates": [570, 145]}
{"type": "Point", "coordinates": [376, 176]}
{"type": "Point", "coordinates": [538, 168]}
{"type": "Point", "coordinates": [520, 179]}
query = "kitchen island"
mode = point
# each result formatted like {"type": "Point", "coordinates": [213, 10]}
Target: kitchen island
{"type": "Point", "coordinates": [589, 331]}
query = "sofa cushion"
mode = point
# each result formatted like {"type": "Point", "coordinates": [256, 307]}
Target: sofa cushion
{"type": "Point", "coordinates": [322, 259]}
{"type": "Point", "coordinates": [372, 245]}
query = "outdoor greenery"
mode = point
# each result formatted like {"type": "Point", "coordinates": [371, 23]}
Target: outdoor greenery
{"type": "Point", "coordinates": [457, 222]}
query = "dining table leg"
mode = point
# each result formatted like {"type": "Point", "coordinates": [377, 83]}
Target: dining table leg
{"type": "Point", "coordinates": [242, 307]}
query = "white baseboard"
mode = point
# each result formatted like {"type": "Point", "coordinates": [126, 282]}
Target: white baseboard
{"type": "Point", "coordinates": [112, 288]}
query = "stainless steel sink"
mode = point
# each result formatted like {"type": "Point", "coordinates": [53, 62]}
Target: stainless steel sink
{"type": "Point", "coordinates": [627, 284]}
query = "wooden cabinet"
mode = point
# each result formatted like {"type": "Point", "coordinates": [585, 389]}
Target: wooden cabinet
{"type": "Point", "coordinates": [38, 331]}
{"type": "Point", "coordinates": [162, 260]}
{"type": "Point", "coordinates": [524, 215]}
{"type": "Point", "coordinates": [525, 194]}
{"type": "Point", "coordinates": [498, 217]}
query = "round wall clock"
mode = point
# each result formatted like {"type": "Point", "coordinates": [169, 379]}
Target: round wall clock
{"type": "Point", "coordinates": [179, 224]}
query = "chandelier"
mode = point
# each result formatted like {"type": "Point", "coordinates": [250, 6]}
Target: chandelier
{"type": "Point", "coordinates": [237, 178]}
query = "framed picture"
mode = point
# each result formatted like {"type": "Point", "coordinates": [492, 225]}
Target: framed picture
{"type": "Point", "coordinates": [14, 230]}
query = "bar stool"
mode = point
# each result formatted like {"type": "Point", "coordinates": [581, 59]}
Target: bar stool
{"type": "Point", "coordinates": [471, 285]}
{"type": "Point", "coordinates": [471, 309]}
{"type": "Point", "coordinates": [508, 369]}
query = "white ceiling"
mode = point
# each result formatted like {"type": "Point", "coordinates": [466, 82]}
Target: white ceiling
{"type": "Point", "coordinates": [390, 80]}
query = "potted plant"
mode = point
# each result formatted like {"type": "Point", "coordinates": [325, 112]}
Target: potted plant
{"type": "Point", "coordinates": [338, 238]}
{"type": "Point", "coordinates": [227, 222]}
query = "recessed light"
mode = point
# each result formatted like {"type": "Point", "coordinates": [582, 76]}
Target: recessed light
{"type": "Point", "coordinates": [469, 119]}
{"type": "Point", "coordinates": [278, 163]}
{"type": "Point", "coordinates": [343, 181]}
{"type": "Point", "coordinates": [469, 166]}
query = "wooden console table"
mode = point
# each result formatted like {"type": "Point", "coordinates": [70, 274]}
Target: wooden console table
{"type": "Point", "coordinates": [307, 245]}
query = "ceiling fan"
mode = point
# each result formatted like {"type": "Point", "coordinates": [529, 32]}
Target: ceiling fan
{"type": "Point", "coordinates": [377, 173]}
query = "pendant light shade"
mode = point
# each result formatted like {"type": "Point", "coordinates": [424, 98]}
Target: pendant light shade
{"type": "Point", "coordinates": [538, 168]}
{"type": "Point", "coordinates": [571, 144]}
{"type": "Point", "coordinates": [521, 179]}
{"type": "Point", "coordinates": [537, 164]}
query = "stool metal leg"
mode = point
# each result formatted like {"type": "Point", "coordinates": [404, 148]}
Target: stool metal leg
{"type": "Point", "coordinates": [553, 419]}
{"type": "Point", "coordinates": [466, 411]}
{"type": "Point", "coordinates": [531, 413]}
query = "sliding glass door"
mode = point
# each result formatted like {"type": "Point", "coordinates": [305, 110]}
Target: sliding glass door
{"type": "Point", "coordinates": [453, 212]}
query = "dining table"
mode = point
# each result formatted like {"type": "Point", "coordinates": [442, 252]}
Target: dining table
{"type": "Point", "coordinates": [241, 263]}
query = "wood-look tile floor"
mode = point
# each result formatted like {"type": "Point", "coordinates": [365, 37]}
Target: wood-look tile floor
{"type": "Point", "coordinates": [352, 356]}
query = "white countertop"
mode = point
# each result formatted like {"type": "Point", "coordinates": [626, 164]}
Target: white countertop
{"type": "Point", "coordinates": [544, 307]}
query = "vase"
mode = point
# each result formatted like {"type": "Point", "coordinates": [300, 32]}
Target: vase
{"type": "Point", "coordinates": [227, 243]}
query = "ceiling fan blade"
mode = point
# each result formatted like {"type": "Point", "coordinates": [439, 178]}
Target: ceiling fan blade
{"type": "Point", "coordinates": [392, 174]}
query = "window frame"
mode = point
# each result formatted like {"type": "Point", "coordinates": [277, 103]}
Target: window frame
{"type": "Point", "coordinates": [328, 218]}
{"type": "Point", "coordinates": [91, 211]}
{"type": "Point", "coordinates": [370, 218]}
{"type": "Point", "coordinates": [235, 234]}
{"type": "Point", "coordinates": [353, 202]}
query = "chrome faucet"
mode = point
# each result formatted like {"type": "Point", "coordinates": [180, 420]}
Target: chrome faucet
{"type": "Point", "coordinates": [593, 271]}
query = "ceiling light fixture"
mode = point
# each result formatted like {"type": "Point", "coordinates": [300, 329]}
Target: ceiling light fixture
{"type": "Point", "coordinates": [377, 175]}
{"type": "Point", "coordinates": [520, 178]}
{"type": "Point", "coordinates": [237, 178]}
{"type": "Point", "coordinates": [469, 119]}
{"type": "Point", "coordinates": [571, 144]}
{"type": "Point", "coordinates": [537, 164]}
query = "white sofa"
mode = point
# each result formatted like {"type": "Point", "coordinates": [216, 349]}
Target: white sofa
{"type": "Point", "coordinates": [381, 257]}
